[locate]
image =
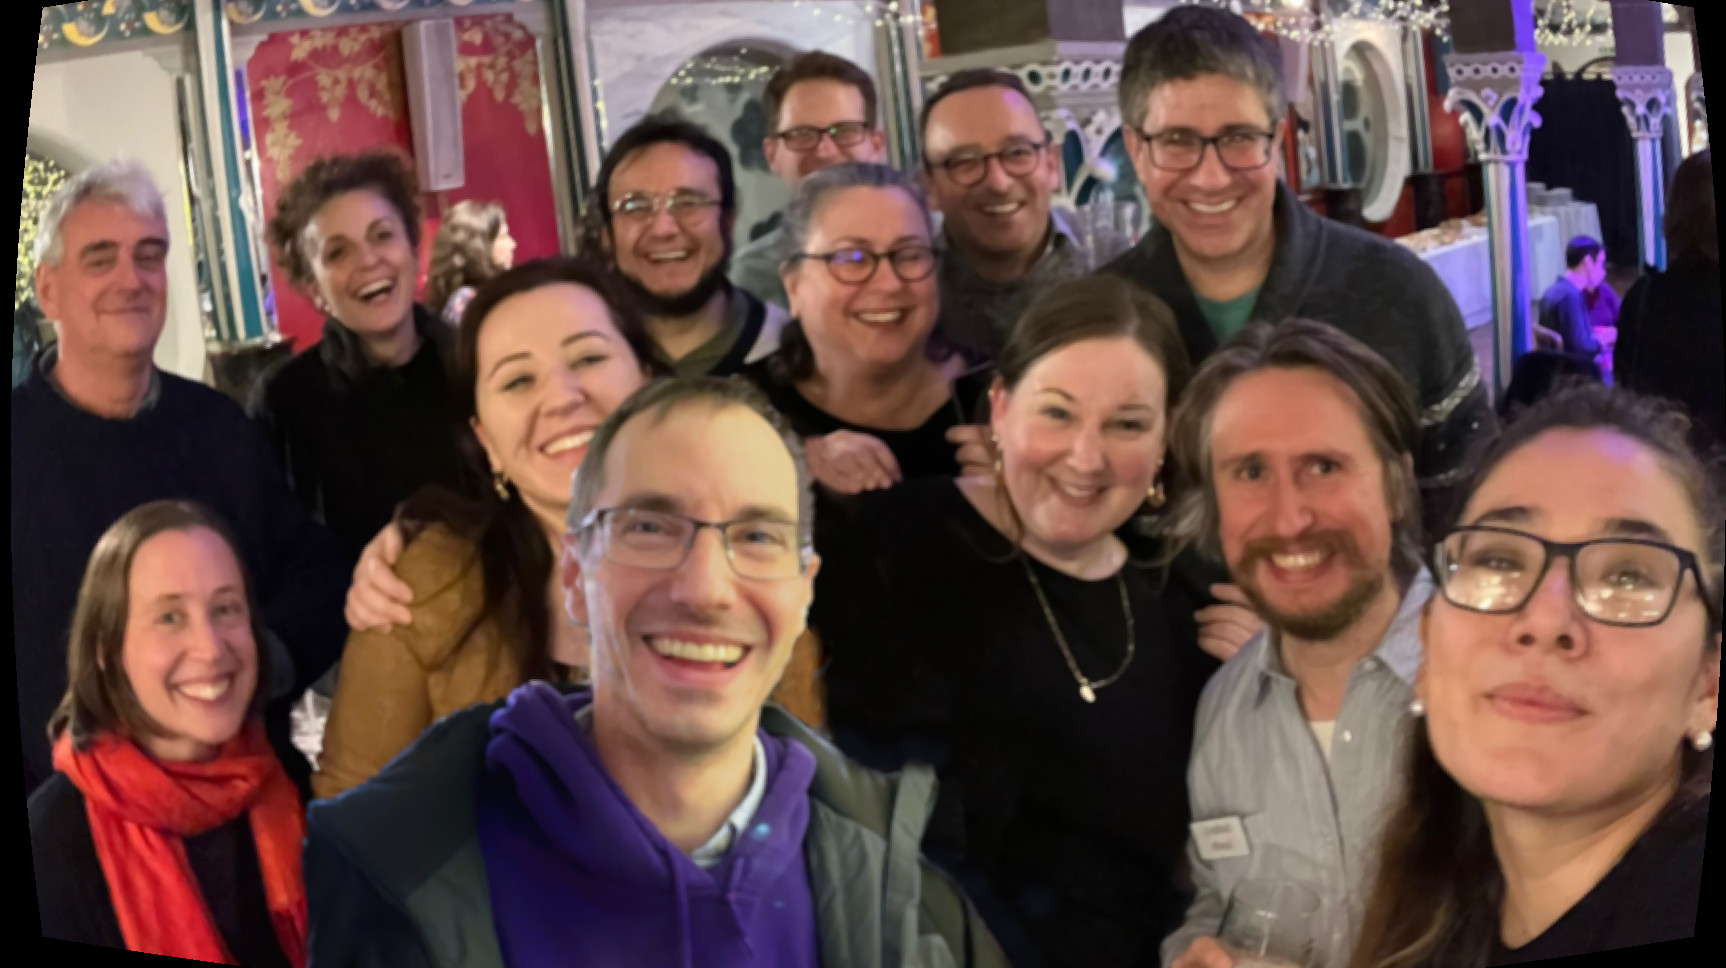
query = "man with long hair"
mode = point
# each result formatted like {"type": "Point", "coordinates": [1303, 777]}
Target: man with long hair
{"type": "Point", "coordinates": [1295, 447]}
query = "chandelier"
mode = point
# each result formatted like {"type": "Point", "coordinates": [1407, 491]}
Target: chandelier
{"type": "Point", "coordinates": [1572, 23]}
{"type": "Point", "coordinates": [1298, 21]}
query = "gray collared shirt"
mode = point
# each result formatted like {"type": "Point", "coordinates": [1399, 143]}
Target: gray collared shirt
{"type": "Point", "coordinates": [977, 313]}
{"type": "Point", "coordinates": [709, 855]}
{"type": "Point", "coordinates": [1255, 758]}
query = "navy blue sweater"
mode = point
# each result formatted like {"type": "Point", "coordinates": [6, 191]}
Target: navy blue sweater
{"type": "Point", "coordinates": [74, 474]}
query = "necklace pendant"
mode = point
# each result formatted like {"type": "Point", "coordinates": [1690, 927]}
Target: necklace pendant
{"type": "Point", "coordinates": [1087, 693]}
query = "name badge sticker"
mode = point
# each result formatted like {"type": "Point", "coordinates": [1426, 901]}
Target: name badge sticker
{"type": "Point", "coordinates": [1221, 839]}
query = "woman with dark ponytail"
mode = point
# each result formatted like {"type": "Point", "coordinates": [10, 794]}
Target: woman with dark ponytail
{"type": "Point", "coordinates": [1558, 785]}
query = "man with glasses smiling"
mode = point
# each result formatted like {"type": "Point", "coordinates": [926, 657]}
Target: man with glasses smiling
{"type": "Point", "coordinates": [1203, 109]}
{"type": "Point", "coordinates": [822, 109]}
{"type": "Point", "coordinates": [665, 205]}
{"type": "Point", "coordinates": [992, 174]}
{"type": "Point", "coordinates": [668, 817]}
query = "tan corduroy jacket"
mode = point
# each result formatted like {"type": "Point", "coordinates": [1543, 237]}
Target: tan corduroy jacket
{"type": "Point", "coordinates": [395, 684]}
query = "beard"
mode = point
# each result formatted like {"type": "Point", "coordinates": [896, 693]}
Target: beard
{"type": "Point", "coordinates": [685, 303]}
{"type": "Point", "coordinates": [1330, 621]}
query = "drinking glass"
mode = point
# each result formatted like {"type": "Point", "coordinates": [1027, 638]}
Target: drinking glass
{"type": "Point", "coordinates": [1271, 923]}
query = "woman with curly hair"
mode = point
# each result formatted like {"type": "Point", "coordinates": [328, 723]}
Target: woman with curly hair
{"type": "Point", "coordinates": [472, 245]}
{"type": "Point", "coordinates": [362, 420]}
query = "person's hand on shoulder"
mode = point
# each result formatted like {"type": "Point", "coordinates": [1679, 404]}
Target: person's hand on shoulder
{"type": "Point", "coordinates": [1226, 628]}
{"type": "Point", "coordinates": [850, 463]}
{"type": "Point", "coordinates": [378, 599]}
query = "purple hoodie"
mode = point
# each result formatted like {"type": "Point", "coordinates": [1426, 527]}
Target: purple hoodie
{"type": "Point", "coordinates": [580, 877]}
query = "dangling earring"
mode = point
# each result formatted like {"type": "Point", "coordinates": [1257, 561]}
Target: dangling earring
{"type": "Point", "coordinates": [1155, 496]}
{"type": "Point", "coordinates": [995, 445]}
{"type": "Point", "coordinates": [1417, 709]}
{"type": "Point", "coordinates": [500, 484]}
{"type": "Point", "coordinates": [1703, 741]}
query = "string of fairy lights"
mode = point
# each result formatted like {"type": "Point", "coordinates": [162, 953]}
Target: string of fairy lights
{"type": "Point", "coordinates": [1296, 20]}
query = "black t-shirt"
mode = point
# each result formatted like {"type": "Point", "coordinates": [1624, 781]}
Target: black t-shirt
{"type": "Point", "coordinates": [922, 452]}
{"type": "Point", "coordinates": [1649, 897]}
{"type": "Point", "coordinates": [72, 892]}
{"type": "Point", "coordinates": [1065, 820]}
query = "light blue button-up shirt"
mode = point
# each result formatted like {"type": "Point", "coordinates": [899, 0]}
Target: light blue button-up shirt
{"type": "Point", "coordinates": [1255, 758]}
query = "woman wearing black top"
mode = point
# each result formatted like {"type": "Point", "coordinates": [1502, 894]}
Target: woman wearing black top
{"type": "Point", "coordinates": [1558, 786]}
{"type": "Point", "coordinates": [1008, 630]}
{"type": "Point", "coordinates": [860, 373]}
{"type": "Point", "coordinates": [361, 421]}
{"type": "Point", "coordinates": [168, 826]}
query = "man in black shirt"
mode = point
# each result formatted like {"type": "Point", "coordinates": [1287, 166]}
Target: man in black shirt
{"type": "Point", "coordinates": [97, 430]}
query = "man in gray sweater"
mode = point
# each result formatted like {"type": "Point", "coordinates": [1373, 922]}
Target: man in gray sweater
{"type": "Point", "coordinates": [1203, 107]}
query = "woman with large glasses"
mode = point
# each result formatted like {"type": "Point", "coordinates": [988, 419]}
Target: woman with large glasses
{"type": "Point", "coordinates": [1558, 786]}
{"type": "Point", "coordinates": [860, 372]}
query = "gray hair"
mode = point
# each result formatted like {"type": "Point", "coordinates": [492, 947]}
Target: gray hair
{"type": "Point", "coordinates": [813, 192]}
{"type": "Point", "coordinates": [121, 180]}
{"type": "Point", "coordinates": [1195, 41]}
{"type": "Point", "coordinates": [659, 399]}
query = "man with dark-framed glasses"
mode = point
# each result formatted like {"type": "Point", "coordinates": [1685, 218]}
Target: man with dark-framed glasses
{"type": "Point", "coordinates": [664, 206]}
{"type": "Point", "coordinates": [992, 173]}
{"type": "Point", "coordinates": [1203, 113]}
{"type": "Point", "coordinates": [667, 816]}
{"type": "Point", "coordinates": [821, 109]}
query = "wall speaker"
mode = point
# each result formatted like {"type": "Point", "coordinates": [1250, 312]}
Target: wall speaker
{"type": "Point", "coordinates": [434, 103]}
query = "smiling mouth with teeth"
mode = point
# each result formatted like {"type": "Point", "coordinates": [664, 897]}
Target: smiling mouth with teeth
{"type": "Point", "coordinates": [207, 691]}
{"type": "Point", "coordinates": [377, 292]}
{"type": "Point", "coordinates": [725, 655]}
{"type": "Point", "coordinates": [564, 445]}
{"type": "Point", "coordinates": [1217, 209]}
{"type": "Point", "coordinates": [1299, 562]}
{"type": "Point", "coordinates": [661, 257]}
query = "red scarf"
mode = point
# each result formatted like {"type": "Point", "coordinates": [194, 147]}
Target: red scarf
{"type": "Point", "coordinates": [140, 810]}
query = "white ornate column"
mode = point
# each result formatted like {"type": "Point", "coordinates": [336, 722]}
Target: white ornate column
{"type": "Point", "coordinates": [1645, 94]}
{"type": "Point", "coordinates": [1698, 113]}
{"type": "Point", "coordinates": [1495, 95]}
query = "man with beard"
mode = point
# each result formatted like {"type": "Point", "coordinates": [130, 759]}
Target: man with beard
{"type": "Point", "coordinates": [665, 206]}
{"type": "Point", "coordinates": [992, 173]}
{"type": "Point", "coordinates": [1296, 446]}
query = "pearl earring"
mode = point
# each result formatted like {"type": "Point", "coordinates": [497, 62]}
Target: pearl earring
{"type": "Point", "coordinates": [1703, 741]}
{"type": "Point", "coordinates": [1417, 709]}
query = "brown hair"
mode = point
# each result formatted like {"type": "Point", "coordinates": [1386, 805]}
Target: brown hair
{"type": "Point", "coordinates": [1087, 308]}
{"type": "Point", "coordinates": [383, 173]}
{"type": "Point", "coordinates": [461, 253]}
{"type": "Point", "coordinates": [99, 698]}
{"type": "Point", "coordinates": [1190, 42]}
{"type": "Point", "coordinates": [817, 65]}
{"type": "Point", "coordinates": [1438, 887]}
{"type": "Point", "coordinates": [971, 79]}
{"type": "Point", "coordinates": [1387, 409]}
{"type": "Point", "coordinates": [509, 543]}
{"type": "Point", "coordinates": [1691, 230]}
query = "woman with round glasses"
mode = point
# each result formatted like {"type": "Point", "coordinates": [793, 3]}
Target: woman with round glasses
{"type": "Point", "coordinates": [860, 372]}
{"type": "Point", "coordinates": [1558, 785]}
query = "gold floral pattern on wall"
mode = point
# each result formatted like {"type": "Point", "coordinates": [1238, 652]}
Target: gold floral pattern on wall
{"type": "Point", "coordinates": [42, 178]}
{"type": "Point", "coordinates": [500, 53]}
{"type": "Point", "coordinates": [335, 62]}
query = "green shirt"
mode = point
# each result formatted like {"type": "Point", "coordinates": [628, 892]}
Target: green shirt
{"type": "Point", "coordinates": [1228, 318]}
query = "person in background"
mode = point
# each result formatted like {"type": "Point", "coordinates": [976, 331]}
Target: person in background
{"type": "Point", "coordinates": [1669, 336]}
{"type": "Point", "coordinates": [668, 815]}
{"type": "Point", "coordinates": [1203, 104]}
{"type": "Point", "coordinates": [1295, 448]}
{"type": "Point", "coordinates": [992, 174]}
{"type": "Point", "coordinates": [473, 244]}
{"type": "Point", "coordinates": [26, 338]}
{"type": "Point", "coordinates": [544, 354]}
{"type": "Point", "coordinates": [663, 211]}
{"type": "Point", "coordinates": [1010, 630]}
{"type": "Point", "coordinates": [169, 827]}
{"type": "Point", "coordinates": [1557, 788]}
{"type": "Point", "coordinates": [98, 430]}
{"type": "Point", "coordinates": [861, 373]}
{"type": "Point", "coordinates": [364, 419]}
{"type": "Point", "coordinates": [822, 109]}
{"type": "Point", "coordinates": [1564, 306]}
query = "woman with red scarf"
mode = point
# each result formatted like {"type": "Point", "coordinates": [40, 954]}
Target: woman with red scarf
{"type": "Point", "coordinates": [169, 826]}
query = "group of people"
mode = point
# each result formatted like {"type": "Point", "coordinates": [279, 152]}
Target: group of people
{"type": "Point", "coordinates": [1042, 610]}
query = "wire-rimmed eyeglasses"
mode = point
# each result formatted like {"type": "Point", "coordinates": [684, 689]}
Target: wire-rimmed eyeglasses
{"type": "Point", "coordinates": [806, 138]}
{"type": "Point", "coordinates": [762, 549]}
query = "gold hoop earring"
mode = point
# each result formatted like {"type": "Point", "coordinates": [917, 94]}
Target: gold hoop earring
{"type": "Point", "coordinates": [1155, 496]}
{"type": "Point", "coordinates": [500, 484]}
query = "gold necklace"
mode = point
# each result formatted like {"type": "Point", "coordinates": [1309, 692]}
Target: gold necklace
{"type": "Point", "coordinates": [1087, 688]}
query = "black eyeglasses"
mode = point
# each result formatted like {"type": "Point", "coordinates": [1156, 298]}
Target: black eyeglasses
{"type": "Point", "coordinates": [855, 266]}
{"type": "Point", "coordinates": [806, 138]}
{"type": "Point", "coordinates": [762, 550]}
{"type": "Point", "coordinates": [970, 168]}
{"type": "Point", "coordinates": [1624, 582]}
{"type": "Point", "coordinates": [1181, 149]}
